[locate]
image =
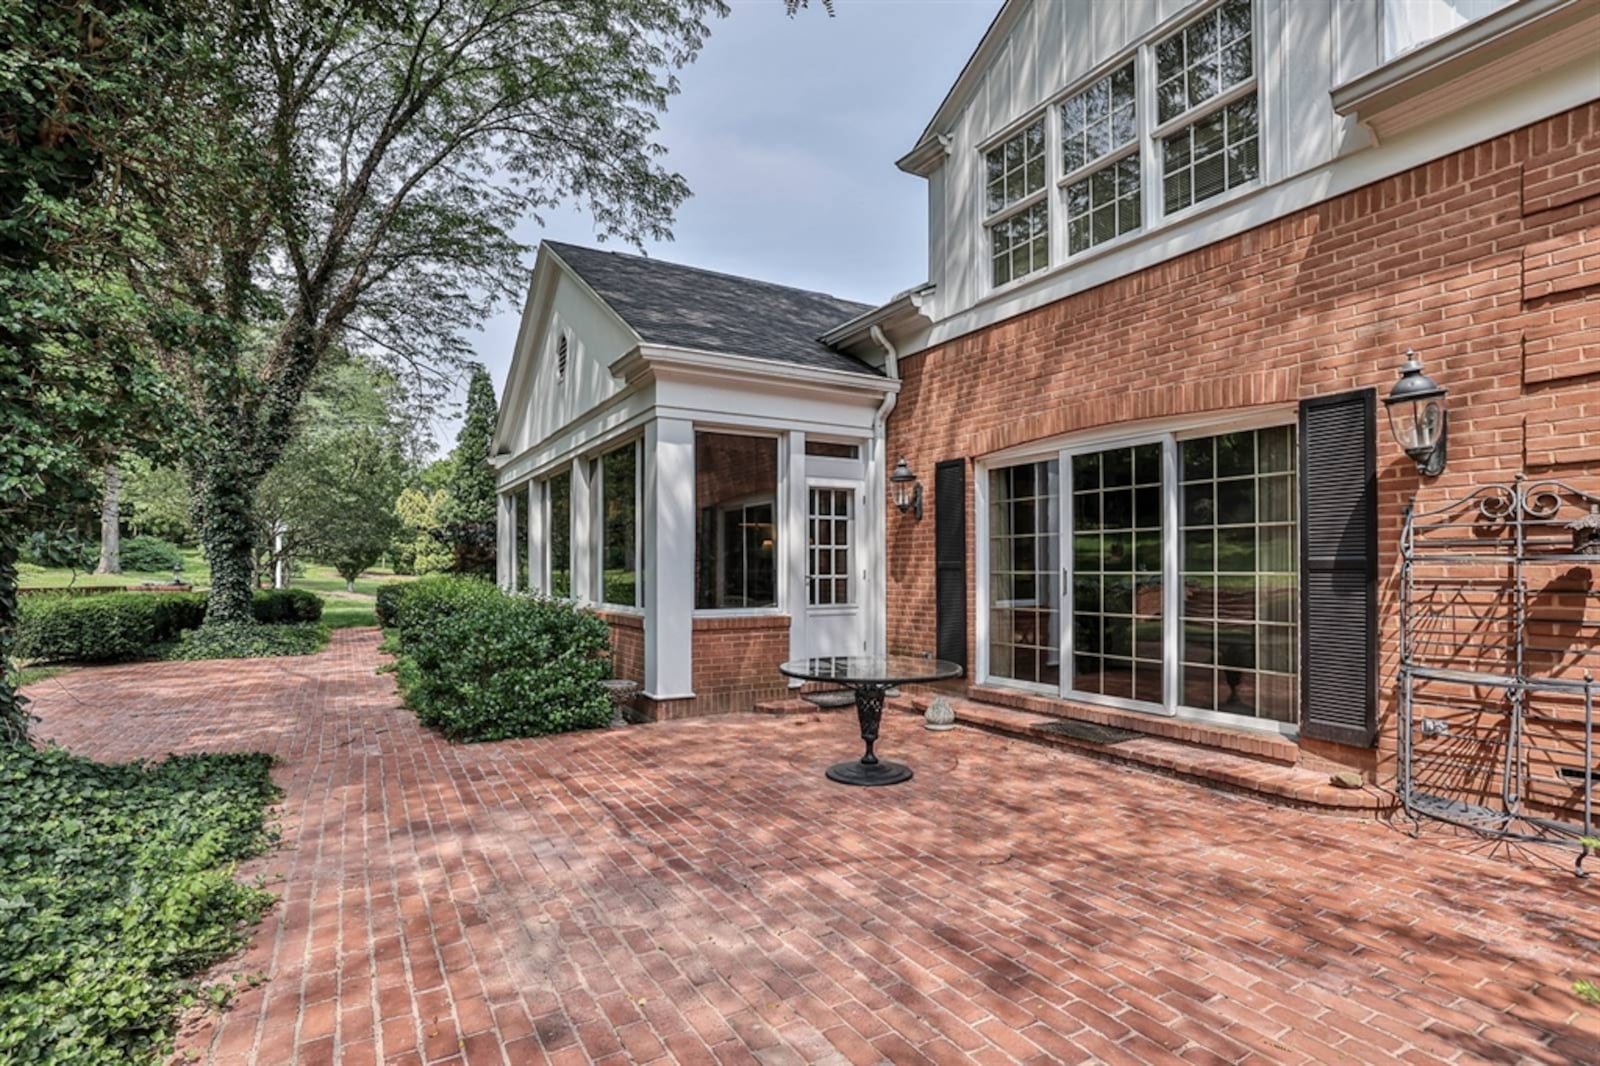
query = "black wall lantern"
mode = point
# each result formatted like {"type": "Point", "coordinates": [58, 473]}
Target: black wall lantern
{"type": "Point", "coordinates": [907, 489]}
{"type": "Point", "coordinates": [1418, 418]}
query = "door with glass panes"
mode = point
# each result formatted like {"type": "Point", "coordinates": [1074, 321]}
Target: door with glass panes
{"type": "Point", "coordinates": [834, 618]}
{"type": "Point", "coordinates": [1157, 574]}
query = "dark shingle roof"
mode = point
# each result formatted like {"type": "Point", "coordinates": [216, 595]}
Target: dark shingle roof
{"type": "Point", "coordinates": [684, 307]}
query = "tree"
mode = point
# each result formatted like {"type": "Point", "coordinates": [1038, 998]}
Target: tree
{"type": "Point", "coordinates": [356, 180]}
{"type": "Point", "coordinates": [332, 497]}
{"type": "Point", "coordinates": [83, 90]}
{"type": "Point", "coordinates": [111, 524]}
{"type": "Point", "coordinates": [419, 547]}
{"type": "Point", "coordinates": [155, 500]}
{"type": "Point", "coordinates": [467, 513]}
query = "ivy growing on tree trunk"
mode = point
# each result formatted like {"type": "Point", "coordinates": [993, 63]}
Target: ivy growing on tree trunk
{"type": "Point", "coordinates": [357, 179]}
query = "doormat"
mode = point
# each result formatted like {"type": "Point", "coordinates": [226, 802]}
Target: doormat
{"type": "Point", "coordinates": [831, 700]}
{"type": "Point", "coordinates": [1090, 732]}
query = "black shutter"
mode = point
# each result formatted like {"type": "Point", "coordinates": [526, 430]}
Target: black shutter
{"type": "Point", "coordinates": [950, 559]}
{"type": "Point", "coordinates": [1339, 568]}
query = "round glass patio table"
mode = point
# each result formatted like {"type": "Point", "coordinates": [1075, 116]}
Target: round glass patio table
{"type": "Point", "coordinates": [870, 678]}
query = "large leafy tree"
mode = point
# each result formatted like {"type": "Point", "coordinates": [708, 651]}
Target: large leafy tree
{"type": "Point", "coordinates": [467, 512]}
{"type": "Point", "coordinates": [357, 179]}
{"type": "Point", "coordinates": [84, 91]}
{"type": "Point", "coordinates": [332, 497]}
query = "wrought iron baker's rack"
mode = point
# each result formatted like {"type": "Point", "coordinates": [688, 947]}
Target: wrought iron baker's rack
{"type": "Point", "coordinates": [1499, 647]}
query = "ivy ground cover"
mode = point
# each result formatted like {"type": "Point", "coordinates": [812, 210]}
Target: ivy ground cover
{"type": "Point", "coordinates": [116, 890]}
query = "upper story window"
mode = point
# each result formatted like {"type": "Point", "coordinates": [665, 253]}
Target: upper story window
{"type": "Point", "coordinates": [1019, 215]}
{"type": "Point", "coordinates": [1100, 140]}
{"type": "Point", "coordinates": [1205, 73]}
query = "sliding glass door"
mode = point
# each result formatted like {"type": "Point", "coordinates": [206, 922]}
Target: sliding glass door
{"type": "Point", "coordinates": [1164, 570]}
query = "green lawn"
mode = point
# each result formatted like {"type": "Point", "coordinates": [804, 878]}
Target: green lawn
{"type": "Point", "coordinates": [340, 609]}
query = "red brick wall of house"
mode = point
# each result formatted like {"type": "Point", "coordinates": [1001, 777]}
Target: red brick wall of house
{"type": "Point", "coordinates": [736, 661]}
{"type": "Point", "coordinates": [627, 644]}
{"type": "Point", "coordinates": [1487, 262]}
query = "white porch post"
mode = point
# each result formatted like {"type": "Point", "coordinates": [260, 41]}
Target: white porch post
{"type": "Point", "coordinates": [538, 580]}
{"type": "Point", "coordinates": [875, 543]}
{"type": "Point", "coordinates": [793, 546]}
{"type": "Point", "coordinates": [585, 531]}
{"type": "Point", "coordinates": [505, 539]}
{"type": "Point", "coordinates": [669, 536]}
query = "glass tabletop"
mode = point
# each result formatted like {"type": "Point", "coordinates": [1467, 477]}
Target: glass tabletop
{"type": "Point", "coordinates": [871, 669]}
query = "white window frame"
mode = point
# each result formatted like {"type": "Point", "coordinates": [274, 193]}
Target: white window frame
{"type": "Point", "coordinates": [852, 490]}
{"type": "Point", "coordinates": [637, 444]}
{"type": "Point", "coordinates": [1148, 146]}
{"type": "Point", "coordinates": [547, 506]}
{"type": "Point", "coordinates": [1169, 433]}
{"type": "Point", "coordinates": [1016, 207]}
{"type": "Point", "coordinates": [781, 493]}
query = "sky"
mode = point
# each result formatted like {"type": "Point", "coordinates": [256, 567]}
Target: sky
{"type": "Point", "coordinates": [787, 131]}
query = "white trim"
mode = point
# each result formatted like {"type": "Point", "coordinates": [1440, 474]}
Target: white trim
{"type": "Point", "coordinates": [745, 368]}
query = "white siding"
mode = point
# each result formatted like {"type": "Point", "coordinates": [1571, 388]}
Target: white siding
{"type": "Point", "coordinates": [597, 338]}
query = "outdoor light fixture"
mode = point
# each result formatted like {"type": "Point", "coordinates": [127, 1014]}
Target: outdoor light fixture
{"type": "Point", "coordinates": [907, 489]}
{"type": "Point", "coordinates": [1418, 418]}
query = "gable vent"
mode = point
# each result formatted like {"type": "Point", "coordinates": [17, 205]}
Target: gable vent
{"type": "Point", "coordinates": [561, 356]}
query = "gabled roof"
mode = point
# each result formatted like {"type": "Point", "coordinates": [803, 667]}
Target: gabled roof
{"type": "Point", "coordinates": [684, 307]}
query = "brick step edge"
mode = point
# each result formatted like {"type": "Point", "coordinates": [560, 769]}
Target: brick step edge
{"type": "Point", "coordinates": [1281, 784]}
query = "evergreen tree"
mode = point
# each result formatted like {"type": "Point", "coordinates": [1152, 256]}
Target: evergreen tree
{"type": "Point", "coordinates": [467, 513]}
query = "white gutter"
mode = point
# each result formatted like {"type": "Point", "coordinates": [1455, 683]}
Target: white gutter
{"type": "Point", "coordinates": [891, 370]}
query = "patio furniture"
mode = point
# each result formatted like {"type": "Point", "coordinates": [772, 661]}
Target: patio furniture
{"type": "Point", "coordinates": [870, 678]}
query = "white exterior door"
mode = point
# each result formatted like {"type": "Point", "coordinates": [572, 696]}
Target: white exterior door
{"type": "Point", "coordinates": [835, 620]}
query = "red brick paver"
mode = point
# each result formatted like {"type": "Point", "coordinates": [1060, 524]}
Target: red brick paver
{"type": "Point", "coordinates": [696, 891]}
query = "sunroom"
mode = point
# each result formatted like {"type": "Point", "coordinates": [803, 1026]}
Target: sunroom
{"type": "Point", "coordinates": [677, 451]}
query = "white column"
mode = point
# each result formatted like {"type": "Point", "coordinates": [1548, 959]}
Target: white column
{"type": "Point", "coordinates": [505, 541]}
{"type": "Point", "coordinates": [669, 536]}
{"type": "Point", "coordinates": [585, 530]}
{"type": "Point", "coordinates": [792, 543]}
{"type": "Point", "coordinates": [538, 580]}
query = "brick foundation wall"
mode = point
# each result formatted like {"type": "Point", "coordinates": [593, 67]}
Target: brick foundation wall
{"type": "Point", "coordinates": [735, 667]}
{"type": "Point", "coordinates": [627, 643]}
{"type": "Point", "coordinates": [1487, 262]}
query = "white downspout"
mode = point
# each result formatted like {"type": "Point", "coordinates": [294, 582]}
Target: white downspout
{"type": "Point", "coordinates": [880, 488]}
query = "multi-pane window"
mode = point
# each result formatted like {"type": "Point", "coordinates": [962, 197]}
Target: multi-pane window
{"type": "Point", "coordinates": [1219, 150]}
{"type": "Point", "coordinates": [1019, 242]}
{"type": "Point", "coordinates": [558, 541]}
{"type": "Point", "coordinates": [1217, 153]}
{"type": "Point", "coordinates": [619, 536]}
{"type": "Point", "coordinates": [1024, 593]}
{"type": "Point", "coordinates": [1099, 120]}
{"type": "Point", "coordinates": [832, 513]}
{"type": "Point", "coordinates": [1016, 168]}
{"type": "Point", "coordinates": [1117, 640]}
{"type": "Point", "coordinates": [1104, 205]}
{"type": "Point", "coordinates": [1205, 59]}
{"type": "Point", "coordinates": [1240, 574]}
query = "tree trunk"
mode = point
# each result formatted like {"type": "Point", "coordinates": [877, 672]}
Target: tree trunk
{"type": "Point", "coordinates": [13, 705]}
{"type": "Point", "coordinates": [111, 524]}
{"type": "Point", "coordinates": [226, 496]}
{"type": "Point", "coordinates": [349, 586]}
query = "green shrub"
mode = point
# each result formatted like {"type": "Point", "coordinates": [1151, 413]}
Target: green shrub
{"type": "Point", "coordinates": [146, 555]}
{"type": "Point", "coordinates": [477, 664]}
{"type": "Point", "coordinates": [249, 641]}
{"type": "Point", "coordinates": [287, 605]}
{"type": "Point", "coordinates": [388, 605]}
{"type": "Point", "coordinates": [117, 891]}
{"type": "Point", "coordinates": [117, 625]}
{"type": "Point", "coordinates": [59, 627]}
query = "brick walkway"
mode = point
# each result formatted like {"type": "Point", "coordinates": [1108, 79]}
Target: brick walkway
{"type": "Point", "coordinates": [696, 891]}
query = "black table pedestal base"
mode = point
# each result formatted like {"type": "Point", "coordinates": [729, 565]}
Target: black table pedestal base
{"type": "Point", "coordinates": [856, 772]}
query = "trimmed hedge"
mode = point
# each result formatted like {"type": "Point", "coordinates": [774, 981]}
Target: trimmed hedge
{"type": "Point", "coordinates": [388, 602]}
{"type": "Point", "coordinates": [145, 555]}
{"type": "Point", "coordinates": [478, 665]}
{"type": "Point", "coordinates": [129, 625]}
{"type": "Point", "coordinates": [287, 605]}
{"type": "Point", "coordinates": [250, 642]}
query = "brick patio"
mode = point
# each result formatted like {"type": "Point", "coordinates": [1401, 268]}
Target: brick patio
{"type": "Point", "coordinates": [695, 891]}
